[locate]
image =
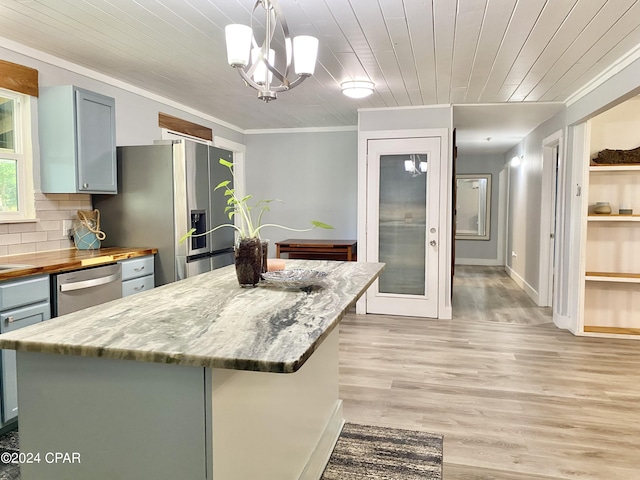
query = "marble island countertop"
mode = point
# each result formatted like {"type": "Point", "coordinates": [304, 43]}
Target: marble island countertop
{"type": "Point", "coordinates": [209, 321]}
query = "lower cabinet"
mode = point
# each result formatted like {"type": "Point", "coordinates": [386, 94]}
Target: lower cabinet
{"type": "Point", "coordinates": [26, 301]}
{"type": "Point", "coordinates": [22, 303]}
{"type": "Point", "coordinates": [137, 275]}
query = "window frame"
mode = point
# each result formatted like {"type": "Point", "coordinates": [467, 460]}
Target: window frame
{"type": "Point", "coordinates": [24, 158]}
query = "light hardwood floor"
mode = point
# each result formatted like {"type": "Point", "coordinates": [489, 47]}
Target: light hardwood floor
{"type": "Point", "coordinates": [515, 397]}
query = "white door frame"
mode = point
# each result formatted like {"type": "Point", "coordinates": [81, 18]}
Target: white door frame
{"type": "Point", "coordinates": [503, 215]}
{"type": "Point", "coordinates": [444, 233]}
{"type": "Point", "coordinates": [550, 216]}
{"type": "Point", "coordinates": [417, 304]}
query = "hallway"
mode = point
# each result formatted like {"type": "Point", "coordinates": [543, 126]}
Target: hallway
{"type": "Point", "coordinates": [516, 398]}
{"type": "Point", "coordinates": [488, 294]}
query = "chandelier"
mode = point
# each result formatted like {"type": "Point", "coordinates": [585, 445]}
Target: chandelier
{"type": "Point", "coordinates": [416, 165]}
{"type": "Point", "coordinates": [256, 63]}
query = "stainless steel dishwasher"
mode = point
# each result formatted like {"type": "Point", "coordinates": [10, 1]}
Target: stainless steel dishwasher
{"type": "Point", "coordinates": [84, 288]}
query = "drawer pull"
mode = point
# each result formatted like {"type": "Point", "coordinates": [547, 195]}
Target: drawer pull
{"type": "Point", "coordinates": [138, 269]}
{"type": "Point", "coordinates": [137, 289]}
{"type": "Point", "coordinates": [10, 319]}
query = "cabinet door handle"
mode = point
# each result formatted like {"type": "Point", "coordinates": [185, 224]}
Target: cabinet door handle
{"type": "Point", "coordinates": [10, 319]}
{"type": "Point", "coordinates": [85, 186]}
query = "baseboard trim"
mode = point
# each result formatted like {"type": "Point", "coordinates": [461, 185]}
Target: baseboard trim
{"type": "Point", "coordinates": [563, 322]}
{"type": "Point", "coordinates": [522, 283]}
{"type": "Point", "coordinates": [485, 262]}
{"type": "Point", "coordinates": [314, 468]}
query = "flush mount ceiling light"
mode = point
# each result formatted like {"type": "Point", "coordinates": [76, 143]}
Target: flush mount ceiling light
{"type": "Point", "coordinates": [516, 161]}
{"type": "Point", "coordinates": [242, 47]}
{"type": "Point", "coordinates": [357, 88]}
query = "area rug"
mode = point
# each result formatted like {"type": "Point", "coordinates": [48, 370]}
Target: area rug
{"type": "Point", "coordinates": [378, 453]}
{"type": "Point", "coordinates": [362, 452]}
{"type": "Point", "coordinates": [9, 445]}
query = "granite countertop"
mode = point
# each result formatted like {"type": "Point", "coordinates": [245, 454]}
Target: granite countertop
{"type": "Point", "coordinates": [65, 260]}
{"type": "Point", "coordinates": [209, 321]}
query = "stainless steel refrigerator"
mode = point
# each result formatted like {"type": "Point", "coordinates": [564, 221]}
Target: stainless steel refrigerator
{"type": "Point", "coordinates": [164, 190]}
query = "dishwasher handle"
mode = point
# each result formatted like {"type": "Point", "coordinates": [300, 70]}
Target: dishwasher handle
{"type": "Point", "coordinates": [94, 282]}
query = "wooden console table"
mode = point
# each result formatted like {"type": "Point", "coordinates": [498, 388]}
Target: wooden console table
{"type": "Point", "coordinates": [318, 249]}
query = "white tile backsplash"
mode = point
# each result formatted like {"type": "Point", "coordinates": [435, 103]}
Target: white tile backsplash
{"type": "Point", "coordinates": [10, 239]}
{"type": "Point", "coordinates": [21, 227]}
{"type": "Point", "coordinates": [33, 237]}
{"type": "Point", "coordinates": [45, 234]}
{"type": "Point", "coordinates": [21, 248]}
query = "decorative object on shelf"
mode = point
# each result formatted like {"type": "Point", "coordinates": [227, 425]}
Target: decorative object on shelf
{"type": "Point", "coordinates": [617, 157]}
{"type": "Point", "coordinates": [602, 208]}
{"type": "Point", "coordinates": [357, 88]}
{"type": "Point", "coordinates": [248, 223]}
{"type": "Point", "coordinates": [625, 209]}
{"type": "Point", "coordinates": [295, 278]}
{"type": "Point", "coordinates": [86, 230]}
{"type": "Point", "coordinates": [242, 47]}
{"type": "Point", "coordinates": [248, 260]}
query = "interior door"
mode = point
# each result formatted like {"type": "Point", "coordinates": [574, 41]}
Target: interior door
{"type": "Point", "coordinates": [403, 208]}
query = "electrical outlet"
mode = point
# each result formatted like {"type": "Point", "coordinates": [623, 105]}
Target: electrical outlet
{"type": "Point", "coordinates": [67, 229]}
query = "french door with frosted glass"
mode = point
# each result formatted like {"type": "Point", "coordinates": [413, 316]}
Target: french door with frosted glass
{"type": "Point", "coordinates": [403, 207]}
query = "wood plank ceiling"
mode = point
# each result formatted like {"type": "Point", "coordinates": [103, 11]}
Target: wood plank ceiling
{"type": "Point", "coordinates": [417, 52]}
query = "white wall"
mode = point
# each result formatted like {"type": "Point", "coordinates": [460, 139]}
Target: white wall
{"type": "Point", "coordinates": [315, 176]}
{"type": "Point", "coordinates": [525, 198]}
{"type": "Point", "coordinates": [618, 128]}
{"type": "Point", "coordinates": [136, 124]}
{"type": "Point", "coordinates": [481, 252]}
{"type": "Point", "coordinates": [136, 110]}
{"type": "Point", "coordinates": [412, 122]}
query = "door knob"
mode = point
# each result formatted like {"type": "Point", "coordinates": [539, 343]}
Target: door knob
{"type": "Point", "coordinates": [433, 243]}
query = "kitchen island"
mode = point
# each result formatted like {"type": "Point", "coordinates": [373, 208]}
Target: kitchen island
{"type": "Point", "coordinates": [198, 379]}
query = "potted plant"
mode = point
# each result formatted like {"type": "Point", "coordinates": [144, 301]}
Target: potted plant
{"type": "Point", "coordinates": [250, 250]}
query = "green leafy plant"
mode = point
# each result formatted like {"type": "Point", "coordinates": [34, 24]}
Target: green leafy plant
{"type": "Point", "coordinates": [248, 215]}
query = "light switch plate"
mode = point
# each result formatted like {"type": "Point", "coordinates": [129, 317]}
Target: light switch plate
{"type": "Point", "coordinates": [67, 226]}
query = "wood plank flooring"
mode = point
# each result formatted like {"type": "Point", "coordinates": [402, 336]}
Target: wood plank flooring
{"type": "Point", "coordinates": [515, 397]}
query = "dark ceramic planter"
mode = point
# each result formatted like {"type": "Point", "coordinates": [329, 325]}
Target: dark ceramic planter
{"type": "Point", "coordinates": [265, 254]}
{"type": "Point", "coordinates": [248, 261]}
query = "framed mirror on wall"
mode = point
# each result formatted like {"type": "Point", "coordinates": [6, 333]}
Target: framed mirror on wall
{"type": "Point", "coordinates": [473, 207]}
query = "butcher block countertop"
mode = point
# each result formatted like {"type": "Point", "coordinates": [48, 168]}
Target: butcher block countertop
{"type": "Point", "coordinates": [17, 266]}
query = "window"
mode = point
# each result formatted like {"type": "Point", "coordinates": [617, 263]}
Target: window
{"type": "Point", "coordinates": [16, 178]}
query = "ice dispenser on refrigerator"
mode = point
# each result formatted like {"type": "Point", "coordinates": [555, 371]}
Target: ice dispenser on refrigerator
{"type": "Point", "coordinates": [164, 190]}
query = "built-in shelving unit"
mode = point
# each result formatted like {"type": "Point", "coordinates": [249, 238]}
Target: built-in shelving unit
{"type": "Point", "coordinates": [612, 277]}
{"type": "Point", "coordinates": [613, 217]}
{"type": "Point", "coordinates": [624, 167]}
{"type": "Point", "coordinates": [612, 253]}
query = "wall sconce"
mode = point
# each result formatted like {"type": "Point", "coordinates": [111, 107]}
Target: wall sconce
{"type": "Point", "coordinates": [516, 161]}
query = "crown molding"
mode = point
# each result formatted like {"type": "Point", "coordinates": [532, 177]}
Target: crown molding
{"type": "Point", "coordinates": [615, 68]}
{"type": "Point", "coordinates": [261, 131]}
{"type": "Point", "coordinates": [114, 82]}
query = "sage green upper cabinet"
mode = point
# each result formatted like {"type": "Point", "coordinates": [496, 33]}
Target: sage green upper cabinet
{"type": "Point", "coordinates": [77, 141]}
